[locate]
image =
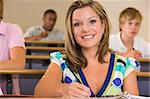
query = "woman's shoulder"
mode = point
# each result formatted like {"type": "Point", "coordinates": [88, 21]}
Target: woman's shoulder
{"type": "Point", "coordinates": [56, 54]}
{"type": "Point", "coordinates": [125, 60]}
{"type": "Point", "coordinates": [125, 64]}
{"type": "Point", "coordinates": [57, 57]}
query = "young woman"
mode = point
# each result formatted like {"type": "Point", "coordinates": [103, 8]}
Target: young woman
{"type": "Point", "coordinates": [87, 68]}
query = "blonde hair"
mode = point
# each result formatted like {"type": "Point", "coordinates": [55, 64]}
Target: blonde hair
{"type": "Point", "coordinates": [73, 50]}
{"type": "Point", "coordinates": [129, 14]}
{"type": "Point", "coordinates": [1, 9]}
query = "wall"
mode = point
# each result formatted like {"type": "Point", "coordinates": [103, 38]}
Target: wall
{"type": "Point", "coordinates": [148, 20]}
{"type": "Point", "coordinates": [27, 13]}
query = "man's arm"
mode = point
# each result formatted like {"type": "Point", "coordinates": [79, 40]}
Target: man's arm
{"type": "Point", "coordinates": [37, 37]}
{"type": "Point", "coordinates": [17, 59]}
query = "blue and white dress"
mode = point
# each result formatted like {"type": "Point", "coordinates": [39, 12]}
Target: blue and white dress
{"type": "Point", "coordinates": [119, 68]}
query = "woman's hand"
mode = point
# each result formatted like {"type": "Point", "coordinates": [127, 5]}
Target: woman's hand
{"type": "Point", "coordinates": [78, 90]}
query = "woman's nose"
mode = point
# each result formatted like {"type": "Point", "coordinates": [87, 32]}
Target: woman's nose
{"type": "Point", "coordinates": [85, 28]}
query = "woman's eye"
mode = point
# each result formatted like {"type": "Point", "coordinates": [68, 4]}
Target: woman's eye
{"type": "Point", "coordinates": [76, 24]}
{"type": "Point", "coordinates": [93, 21]}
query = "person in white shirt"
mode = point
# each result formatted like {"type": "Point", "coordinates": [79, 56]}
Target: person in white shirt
{"type": "Point", "coordinates": [126, 42]}
{"type": "Point", "coordinates": [46, 32]}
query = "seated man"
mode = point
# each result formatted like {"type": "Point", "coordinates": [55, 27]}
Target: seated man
{"type": "Point", "coordinates": [126, 42]}
{"type": "Point", "coordinates": [46, 31]}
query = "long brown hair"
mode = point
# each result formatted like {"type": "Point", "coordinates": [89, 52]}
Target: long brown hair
{"type": "Point", "coordinates": [73, 50]}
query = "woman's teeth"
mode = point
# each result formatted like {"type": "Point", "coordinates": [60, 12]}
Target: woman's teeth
{"type": "Point", "coordinates": [87, 36]}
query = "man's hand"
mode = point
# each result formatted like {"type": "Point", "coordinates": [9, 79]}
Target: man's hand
{"type": "Point", "coordinates": [134, 53]}
{"type": "Point", "coordinates": [131, 53]}
{"type": "Point", "coordinates": [43, 34]}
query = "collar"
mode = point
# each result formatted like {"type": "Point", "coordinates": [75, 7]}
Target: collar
{"type": "Point", "coordinates": [42, 29]}
{"type": "Point", "coordinates": [119, 39]}
{"type": "Point", "coordinates": [122, 46]}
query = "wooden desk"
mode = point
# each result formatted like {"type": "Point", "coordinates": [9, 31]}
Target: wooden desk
{"type": "Point", "coordinates": [42, 71]}
{"type": "Point", "coordinates": [65, 97]}
{"type": "Point", "coordinates": [45, 48]}
{"type": "Point", "coordinates": [46, 57]}
{"type": "Point", "coordinates": [24, 71]}
{"type": "Point", "coordinates": [44, 42]}
{"type": "Point", "coordinates": [145, 60]}
{"type": "Point", "coordinates": [39, 57]}
{"type": "Point", "coordinates": [9, 97]}
{"type": "Point", "coordinates": [143, 74]}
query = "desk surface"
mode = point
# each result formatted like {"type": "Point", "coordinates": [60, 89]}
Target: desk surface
{"type": "Point", "coordinates": [40, 71]}
{"type": "Point", "coordinates": [45, 42]}
{"type": "Point", "coordinates": [145, 60]}
{"type": "Point", "coordinates": [47, 57]}
{"type": "Point", "coordinates": [24, 71]}
{"type": "Point", "coordinates": [118, 97]}
{"type": "Point", "coordinates": [44, 57]}
{"type": "Point", "coordinates": [45, 48]}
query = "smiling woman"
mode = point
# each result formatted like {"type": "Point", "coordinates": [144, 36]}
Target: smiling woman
{"type": "Point", "coordinates": [88, 68]}
{"type": "Point", "coordinates": [87, 27]}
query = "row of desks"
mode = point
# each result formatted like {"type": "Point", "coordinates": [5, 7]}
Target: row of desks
{"type": "Point", "coordinates": [45, 48]}
{"type": "Point", "coordinates": [61, 49]}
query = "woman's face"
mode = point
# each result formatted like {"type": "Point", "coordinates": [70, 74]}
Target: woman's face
{"type": "Point", "coordinates": [130, 28]}
{"type": "Point", "coordinates": [87, 27]}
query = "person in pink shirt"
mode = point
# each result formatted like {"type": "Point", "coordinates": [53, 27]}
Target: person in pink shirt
{"type": "Point", "coordinates": [12, 52]}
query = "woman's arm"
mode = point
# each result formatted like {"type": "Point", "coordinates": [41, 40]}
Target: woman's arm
{"type": "Point", "coordinates": [17, 59]}
{"type": "Point", "coordinates": [47, 86]}
{"type": "Point", "coordinates": [51, 85]}
{"type": "Point", "coordinates": [37, 37]}
{"type": "Point", "coordinates": [130, 84]}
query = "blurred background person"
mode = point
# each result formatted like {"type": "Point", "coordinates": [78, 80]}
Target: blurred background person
{"type": "Point", "coordinates": [12, 53]}
{"type": "Point", "coordinates": [126, 42]}
{"type": "Point", "coordinates": [45, 32]}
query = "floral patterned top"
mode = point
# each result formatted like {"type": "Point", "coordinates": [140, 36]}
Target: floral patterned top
{"type": "Point", "coordinates": [119, 68]}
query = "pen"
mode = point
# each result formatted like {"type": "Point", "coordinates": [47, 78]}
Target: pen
{"type": "Point", "coordinates": [137, 62]}
{"type": "Point", "coordinates": [132, 48]}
